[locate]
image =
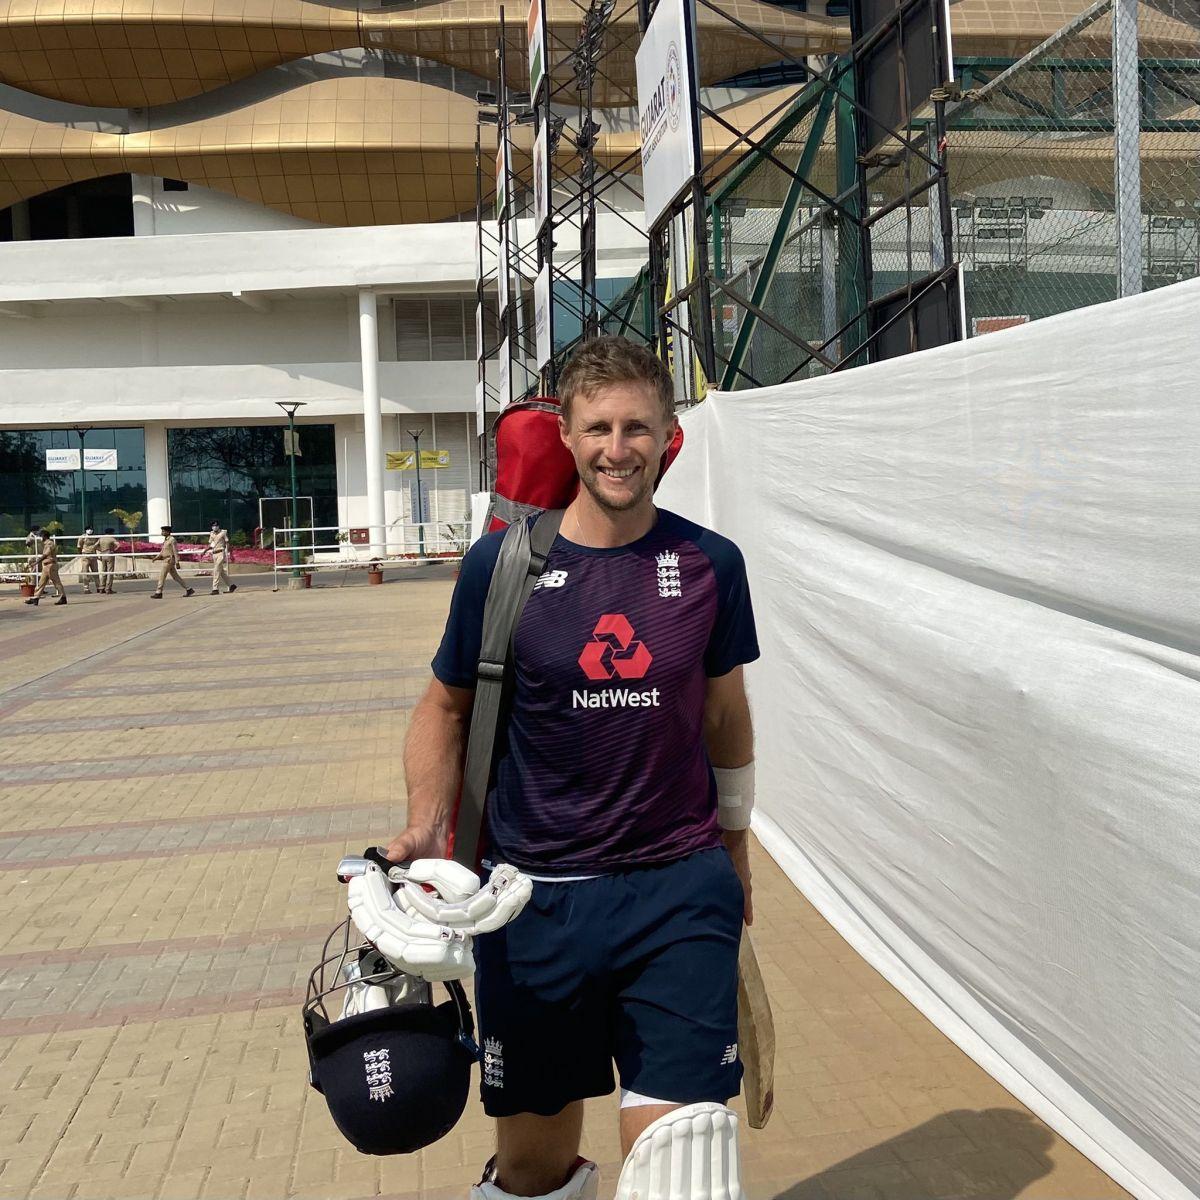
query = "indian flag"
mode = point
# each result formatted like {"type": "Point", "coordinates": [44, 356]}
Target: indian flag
{"type": "Point", "coordinates": [537, 47]}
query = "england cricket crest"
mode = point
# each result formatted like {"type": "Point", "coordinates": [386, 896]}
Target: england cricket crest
{"type": "Point", "coordinates": [379, 1073]}
{"type": "Point", "coordinates": [669, 582]}
{"type": "Point", "coordinates": [493, 1063]}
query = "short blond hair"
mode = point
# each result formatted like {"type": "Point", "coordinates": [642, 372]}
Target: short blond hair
{"type": "Point", "coordinates": [607, 360]}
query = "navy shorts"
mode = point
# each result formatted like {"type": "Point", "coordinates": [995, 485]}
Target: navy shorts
{"type": "Point", "coordinates": [637, 968]}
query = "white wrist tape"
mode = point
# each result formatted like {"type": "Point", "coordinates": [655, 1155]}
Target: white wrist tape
{"type": "Point", "coordinates": [735, 795]}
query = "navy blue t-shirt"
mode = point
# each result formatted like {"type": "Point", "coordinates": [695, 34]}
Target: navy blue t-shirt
{"type": "Point", "coordinates": [605, 766]}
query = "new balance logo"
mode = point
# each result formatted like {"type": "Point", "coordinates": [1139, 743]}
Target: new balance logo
{"type": "Point", "coordinates": [730, 1055]}
{"type": "Point", "coordinates": [551, 579]}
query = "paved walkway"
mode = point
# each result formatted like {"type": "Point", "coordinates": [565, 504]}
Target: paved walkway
{"type": "Point", "coordinates": [177, 782]}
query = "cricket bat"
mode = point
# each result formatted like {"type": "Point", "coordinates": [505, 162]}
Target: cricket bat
{"type": "Point", "coordinates": [756, 1037]}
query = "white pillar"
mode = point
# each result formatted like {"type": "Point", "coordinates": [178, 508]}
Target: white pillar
{"type": "Point", "coordinates": [1127, 124]}
{"type": "Point", "coordinates": [158, 480]}
{"type": "Point", "coordinates": [143, 205]}
{"type": "Point", "coordinates": [368, 337]}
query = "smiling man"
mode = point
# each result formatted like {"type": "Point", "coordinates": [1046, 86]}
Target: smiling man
{"type": "Point", "coordinates": [623, 789]}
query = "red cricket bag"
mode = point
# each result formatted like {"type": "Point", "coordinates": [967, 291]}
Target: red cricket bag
{"type": "Point", "coordinates": [534, 470]}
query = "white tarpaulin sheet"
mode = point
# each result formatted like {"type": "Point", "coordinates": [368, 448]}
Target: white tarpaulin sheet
{"type": "Point", "coordinates": [977, 712]}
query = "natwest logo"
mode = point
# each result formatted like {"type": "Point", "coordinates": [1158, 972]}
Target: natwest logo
{"type": "Point", "coordinates": [613, 651]}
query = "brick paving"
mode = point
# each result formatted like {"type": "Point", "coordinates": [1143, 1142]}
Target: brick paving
{"type": "Point", "coordinates": [175, 789]}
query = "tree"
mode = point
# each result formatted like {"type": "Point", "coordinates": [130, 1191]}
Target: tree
{"type": "Point", "coordinates": [131, 520]}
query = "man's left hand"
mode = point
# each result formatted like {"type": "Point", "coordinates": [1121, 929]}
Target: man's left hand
{"type": "Point", "coordinates": [737, 842]}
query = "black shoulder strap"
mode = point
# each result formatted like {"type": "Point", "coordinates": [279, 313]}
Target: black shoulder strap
{"type": "Point", "coordinates": [523, 555]}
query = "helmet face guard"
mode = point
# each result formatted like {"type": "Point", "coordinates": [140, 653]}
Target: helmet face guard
{"type": "Point", "coordinates": [394, 1068]}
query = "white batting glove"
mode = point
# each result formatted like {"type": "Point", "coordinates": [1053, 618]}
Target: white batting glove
{"type": "Point", "coordinates": [458, 901]}
{"type": "Point", "coordinates": [429, 934]}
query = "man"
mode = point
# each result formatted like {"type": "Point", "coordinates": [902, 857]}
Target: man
{"type": "Point", "coordinates": [218, 547]}
{"type": "Point", "coordinates": [107, 546]}
{"type": "Point", "coordinates": [48, 556]}
{"type": "Point", "coordinates": [87, 545]}
{"type": "Point", "coordinates": [168, 564]}
{"type": "Point", "coordinates": [628, 685]}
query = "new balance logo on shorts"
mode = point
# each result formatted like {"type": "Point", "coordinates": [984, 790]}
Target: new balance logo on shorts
{"type": "Point", "coordinates": [730, 1055]}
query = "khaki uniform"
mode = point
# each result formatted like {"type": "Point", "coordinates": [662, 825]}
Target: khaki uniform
{"type": "Point", "coordinates": [89, 568]}
{"type": "Point", "coordinates": [108, 561]}
{"type": "Point", "coordinates": [218, 543]}
{"type": "Point", "coordinates": [168, 561]}
{"type": "Point", "coordinates": [49, 564]}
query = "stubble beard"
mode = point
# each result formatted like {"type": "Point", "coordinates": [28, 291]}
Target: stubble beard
{"type": "Point", "coordinates": [590, 480]}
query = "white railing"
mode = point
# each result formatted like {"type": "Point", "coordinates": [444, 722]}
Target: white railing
{"type": "Point", "coordinates": [336, 547]}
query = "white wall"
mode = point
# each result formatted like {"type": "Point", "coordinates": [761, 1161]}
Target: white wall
{"type": "Point", "coordinates": [204, 331]}
{"type": "Point", "coordinates": [201, 210]}
{"type": "Point", "coordinates": [449, 488]}
{"type": "Point", "coordinates": [131, 395]}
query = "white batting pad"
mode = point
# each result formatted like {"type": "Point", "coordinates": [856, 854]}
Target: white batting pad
{"type": "Point", "coordinates": [690, 1154]}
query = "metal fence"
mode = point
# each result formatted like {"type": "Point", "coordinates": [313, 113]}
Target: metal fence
{"type": "Point", "coordinates": [1072, 183]}
{"type": "Point", "coordinates": [1076, 171]}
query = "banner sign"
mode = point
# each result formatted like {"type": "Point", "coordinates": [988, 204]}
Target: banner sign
{"type": "Point", "coordinates": [479, 352]}
{"type": "Point", "coordinates": [291, 444]}
{"type": "Point", "coordinates": [541, 180]}
{"type": "Point", "coordinates": [536, 23]}
{"type": "Point", "coordinates": [666, 109]}
{"type": "Point", "coordinates": [502, 174]}
{"type": "Point", "coordinates": [480, 396]}
{"type": "Point", "coordinates": [541, 316]}
{"type": "Point", "coordinates": [406, 460]}
{"type": "Point", "coordinates": [502, 279]}
{"type": "Point", "coordinates": [506, 394]}
{"type": "Point", "coordinates": [62, 460]}
{"type": "Point", "coordinates": [99, 460]}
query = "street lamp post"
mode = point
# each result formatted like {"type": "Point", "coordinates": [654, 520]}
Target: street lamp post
{"type": "Point", "coordinates": [416, 437]}
{"type": "Point", "coordinates": [290, 408]}
{"type": "Point", "coordinates": [81, 432]}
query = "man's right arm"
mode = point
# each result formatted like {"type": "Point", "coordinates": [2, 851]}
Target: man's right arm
{"type": "Point", "coordinates": [434, 753]}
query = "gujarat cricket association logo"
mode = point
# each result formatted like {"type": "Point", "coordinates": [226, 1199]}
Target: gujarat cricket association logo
{"type": "Point", "coordinates": [614, 652]}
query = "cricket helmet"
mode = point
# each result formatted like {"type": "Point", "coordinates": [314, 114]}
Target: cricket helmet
{"type": "Point", "coordinates": [393, 1066]}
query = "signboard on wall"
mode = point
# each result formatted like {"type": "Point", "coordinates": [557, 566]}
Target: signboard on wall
{"type": "Point", "coordinates": [100, 460]}
{"type": "Point", "coordinates": [995, 324]}
{"type": "Point", "coordinates": [666, 107]}
{"type": "Point", "coordinates": [406, 460]}
{"type": "Point", "coordinates": [62, 460]}
{"type": "Point", "coordinates": [541, 316]}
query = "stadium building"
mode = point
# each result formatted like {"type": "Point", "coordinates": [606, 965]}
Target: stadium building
{"type": "Point", "coordinates": [215, 210]}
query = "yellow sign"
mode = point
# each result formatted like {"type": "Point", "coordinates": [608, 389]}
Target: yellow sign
{"type": "Point", "coordinates": [406, 460]}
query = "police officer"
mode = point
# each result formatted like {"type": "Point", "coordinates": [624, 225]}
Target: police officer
{"type": "Point", "coordinates": [107, 547]}
{"type": "Point", "coordinates": [218, 547]}
{"type": "Point", "coordinates": [168, 564]}
{"type": "Point", "coordinates": [88, 571]}
{"type": "Point", "coordinates": [49, 567]}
